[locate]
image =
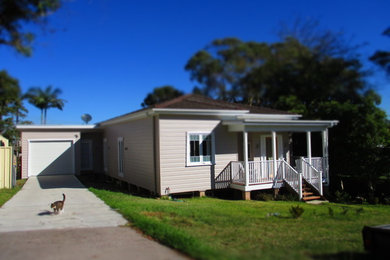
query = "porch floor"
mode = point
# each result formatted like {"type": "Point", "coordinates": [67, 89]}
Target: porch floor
{"type": "Point", "coordinates": [257, 186]}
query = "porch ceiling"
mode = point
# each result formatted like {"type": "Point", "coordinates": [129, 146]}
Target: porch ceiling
{"type": "Point", "coordinates": [250, 125]}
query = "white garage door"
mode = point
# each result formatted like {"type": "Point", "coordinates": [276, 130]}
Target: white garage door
{"type": "Point", "coordinates": [51, 157]}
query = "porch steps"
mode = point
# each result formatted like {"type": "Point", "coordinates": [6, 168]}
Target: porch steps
{"type": "Point", "coordinates": [308, 193]}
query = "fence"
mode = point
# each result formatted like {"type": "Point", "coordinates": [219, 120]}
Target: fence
{"type": "Point", "coordinates": [6, 167]}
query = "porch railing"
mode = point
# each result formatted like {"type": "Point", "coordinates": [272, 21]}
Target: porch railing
{"type": "Point", "coordinates": [320, 164]}
{"type": "Point", "coordinates": [261, 172]}
{"type": "Point", "coordinates": [224, 179]}
{"type": "Point", "coordinates": [292, 178]}
{"type": "Point", "coordinates": [311, 174]}
{"type": "Point", "coordinates": [238, 172]}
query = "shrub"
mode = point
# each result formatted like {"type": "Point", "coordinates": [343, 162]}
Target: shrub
{"type": "Point", "coordinates": [342, 197]}
{"type": "Point", "coordinates": [344, 210]}
{"type": "Point", "coordinates": [296, 211]}
{"type": "Point", "coordinates": [330, 211]}
{"type": "Point", "coordinates": [264, 196]}
{"type": "Point", "coordinates": [359, 210]}
{"type": "Point", "coordinates": [372, 199]}
{"type": "Point", "coordinates": [287, 197]}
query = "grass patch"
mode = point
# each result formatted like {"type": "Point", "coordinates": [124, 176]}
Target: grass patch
{"type": "Point", "coordinates": [208, 228]}
{"type": "Point", "coordinates": [6, 194]}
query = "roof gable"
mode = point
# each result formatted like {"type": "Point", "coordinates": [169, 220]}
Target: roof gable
{"type": "Point", "coordinates": [193, 101]}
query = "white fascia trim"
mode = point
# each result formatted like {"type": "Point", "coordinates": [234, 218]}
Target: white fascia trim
{"type": "Point", "coordinates": [172, 111]}
{"type": "Point", "coordinates": [329, 123]}
{"type": "Point", "coordinates": [126, 118]}
{"type": "Point", "coordinates": [321, 123]}
{"type": "Point", "coordinates": [56, 127]}
{"type": "Point", "coordinates": [262, 117]}
{"type": "Point", "coordinates": [199, 112]}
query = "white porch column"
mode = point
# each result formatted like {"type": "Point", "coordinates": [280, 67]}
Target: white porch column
{"type": "Point", "coordinates": [245, 137]}
{"type": "Point", "coordinates": [308, 143]}
{"type": "Point", "coordinates": [325, 154]}
{"type": "Point", "coordinates": [274, 152]}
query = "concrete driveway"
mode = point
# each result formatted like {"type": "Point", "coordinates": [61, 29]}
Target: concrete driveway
{"type": "Point", "coordinates": [83, 243]}
{"type": "Point", "coordinates": [30, 208]}
{"type": "Point", "coordinates": [88, 229]}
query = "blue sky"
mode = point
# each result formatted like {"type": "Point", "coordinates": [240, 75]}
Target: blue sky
{"type": "Point", "coordinates": [106, 55]}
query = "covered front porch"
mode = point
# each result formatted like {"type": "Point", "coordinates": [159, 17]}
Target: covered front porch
{"type": "Point", "coordinates": [273, 166]}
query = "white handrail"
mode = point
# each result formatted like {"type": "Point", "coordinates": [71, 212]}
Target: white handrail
{"type": "Point", "coordinates": [319, 163]}
{"type": "Point", "coordinates": [238, 172]}
{"type": "Point", "coordinates": [293, 178]}
{"type": "Point", "coordinates": [311, 175]}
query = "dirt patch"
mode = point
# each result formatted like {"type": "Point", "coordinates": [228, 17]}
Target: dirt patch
{"type": "Point", "coordinates": [156, 214]}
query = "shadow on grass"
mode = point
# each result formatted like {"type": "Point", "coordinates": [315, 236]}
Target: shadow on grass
{"type": "Point", "coordinates": [350, 256]}
{"type": "Point", "coordinates": [103, 182]}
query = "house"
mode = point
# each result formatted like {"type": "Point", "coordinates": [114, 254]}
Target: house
{"type": "Point", "coordinates": [191, 143]}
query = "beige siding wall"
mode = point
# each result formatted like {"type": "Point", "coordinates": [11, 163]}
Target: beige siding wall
{"type": "Point", "coordinates": [48, 135]}
{"type": "Point", "coordinates": [173, 151]}
{"type": "Point", "coordinates": [138, 152]}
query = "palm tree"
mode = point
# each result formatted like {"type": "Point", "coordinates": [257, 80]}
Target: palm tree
{"type": "Point", "coordinates": [45, 99]}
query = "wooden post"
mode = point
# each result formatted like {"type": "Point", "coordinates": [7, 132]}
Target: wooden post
{"type": "Point", "coordinates": [274, 153]}
{"type": "Point", "coordinates": [246, 165]}
{"type": "Point", "coordinates": [202, 194]}
{"type": "Point", "coordinates": [246, 195]}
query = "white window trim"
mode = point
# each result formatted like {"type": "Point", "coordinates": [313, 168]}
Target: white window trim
{"type": "Point", "coordinates": [188, 161]}
{"type": "Point", "coordinates": [121, 173]}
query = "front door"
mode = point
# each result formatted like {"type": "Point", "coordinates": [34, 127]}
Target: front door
{"type": "Point", "coordinates": [266, 155]}
{"type": "Point", "coordinates": [266, 147]}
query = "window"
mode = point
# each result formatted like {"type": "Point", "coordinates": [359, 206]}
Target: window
{"type": "Point", "coordinates": [120, 156]}
{"type": "Point", "coordinates": [200, 149]}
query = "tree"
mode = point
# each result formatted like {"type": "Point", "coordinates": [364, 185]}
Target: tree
{"type": "Point", "coordinates": [361, 141]}
{"type": "Point", "coordinates": [45, 99]}
{"type": "Point", "coordinates": [271, 74]}
{"type": "Point", "coordinates": [318, 78]}
{"type": "Point", "coordinates": [382, 58]}
{"type": "Point", "coordinates": [14, 14]}
{"type": "Point", "coordinates": [161, 94]}
{"type": "Point", "coordinates": [220, 67]}
{"type": "Point", "coordinates": [11, 107]}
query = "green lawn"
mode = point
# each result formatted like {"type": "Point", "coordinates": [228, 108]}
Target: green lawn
{"type": "Point", "coordinates": [209, 228]}
{"type": "Point", "coordinates": [6, 194]}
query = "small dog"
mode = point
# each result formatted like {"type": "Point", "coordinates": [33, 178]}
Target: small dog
{"type": "Point", "coordinates": [58, 206]}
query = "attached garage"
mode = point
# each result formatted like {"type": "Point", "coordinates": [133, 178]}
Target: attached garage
{"type": "Point", "coordinates": [57, 150]}
{"type": "Point", "coordinates": [51, 157]}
